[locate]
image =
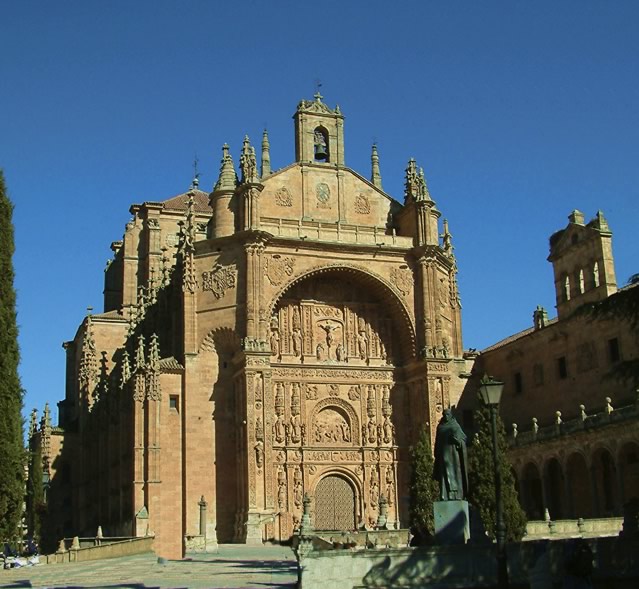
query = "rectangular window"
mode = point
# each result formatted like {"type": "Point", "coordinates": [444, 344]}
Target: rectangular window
{"type": "Point", "coordinates": [519, 383]}
{"type": "Point", "coordinates": [562, 370]}
{"type": "Point", "coordinates": [613, 350]}
{"type": "Point", "coordinates": [174, 402]}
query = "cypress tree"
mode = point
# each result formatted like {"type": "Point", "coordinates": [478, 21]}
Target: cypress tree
{"type": "Point", "coordinates": [11, 444]}
{"type": "Point", "coordinates": [35, 494]}
{"type": "Point", "coordinates": [481, 478]}
{"type": "Point", "coordinates": [423, 488]}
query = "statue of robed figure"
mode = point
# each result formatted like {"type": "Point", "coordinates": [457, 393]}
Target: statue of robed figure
{"type": "Point", "coordinates": [450, 459]}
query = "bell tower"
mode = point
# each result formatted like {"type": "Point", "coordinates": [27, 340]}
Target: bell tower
{"type": "Point", "coordinates": [319, 133]}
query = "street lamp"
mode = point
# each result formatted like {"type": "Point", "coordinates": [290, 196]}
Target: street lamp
{"type": "Point", "coordinates": [490, 393]}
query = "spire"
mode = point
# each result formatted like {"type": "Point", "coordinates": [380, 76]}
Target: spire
{"type": "Point", "coordinates": [411, 181]}
{"type": "Point", "coordinates": [125, 373]}
{"type": "Point", "coordinates": [376, 177]}
{"type": "Point", "coordinates": [266, 156]}
{"type": "Point", "coordinates": [186, 248]}
{"type": "Point", "coordinates": [33, 423]}
{"type": "Point", "coordinates": [447, 239]}
{"type": "Point", "coordinates": [139, 369]}
{"type": "Point", "coordinates": [423, 193]}
{"type": "Point", "coordinates": [140, 363]}
{"type": "Point", "coordinates": [88, 362]}
{"type": "Point", "coordinates": [228, 178]}
{"type": "Point", "coordinates": [153, 391]}
{"type": "Point", "coordinates": [248, 164]}
{"type": "Point", "coordinates": [600, 222]}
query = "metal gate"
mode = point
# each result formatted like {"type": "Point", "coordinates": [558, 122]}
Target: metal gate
{"type": "Point", "coordinates": [334, 504]}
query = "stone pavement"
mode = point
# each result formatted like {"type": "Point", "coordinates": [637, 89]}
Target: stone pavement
{"type": "Point", "coordinates": [235, 565]}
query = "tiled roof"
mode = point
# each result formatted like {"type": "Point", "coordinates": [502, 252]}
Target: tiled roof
{"type": "Point", "coordinates": [513, 338]}
{"type": "Point", "coordinates": [180, 202]}
{"type": "Point", "coordinates": [114, 314]}
{"type": "Point", "coordinates": [170, 363]}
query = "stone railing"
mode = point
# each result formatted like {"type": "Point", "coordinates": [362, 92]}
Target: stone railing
{"type": "Point", "coordinates": [584, 422]}
{"type": "Point", "coordinates": [334, 232]}
{"type": "Point", "coordinates": [573, 528]}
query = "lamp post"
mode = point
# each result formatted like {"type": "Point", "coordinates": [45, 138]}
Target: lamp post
{"type": "Point", "coordinates": [490, 393]}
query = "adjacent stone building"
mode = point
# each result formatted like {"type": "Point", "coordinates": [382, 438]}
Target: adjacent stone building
{"type": "Point", "coordinates": [570, 401]}
{"type": "Point", "coordinates": [288, 333]}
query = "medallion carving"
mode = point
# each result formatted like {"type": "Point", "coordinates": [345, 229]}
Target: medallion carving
{"type": "Point", "coordinates": [323, 194]}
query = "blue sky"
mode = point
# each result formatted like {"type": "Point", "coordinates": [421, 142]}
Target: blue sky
{"type": "Point", "coordinates": [518, 112]}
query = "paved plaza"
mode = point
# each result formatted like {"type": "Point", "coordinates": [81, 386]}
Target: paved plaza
{"type": "Point", "coordinates": [235, 565]}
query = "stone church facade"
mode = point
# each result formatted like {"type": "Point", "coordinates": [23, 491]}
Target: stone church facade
{"type": "Point", "coordinates": [288, 333]}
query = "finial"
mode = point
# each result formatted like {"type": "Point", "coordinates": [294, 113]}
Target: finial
{"type": "Point", "coordinates": [228, 178]}
{"type": "Point", "coordinates": [318, 97]}
{"type": "Point", "coordinates": [196, 175]}
{"type": "Point", "coordinates": [248, 163]}
{"type": "Point", "coordinates": [265, 169]}
{"type": "Point", "coordinates": [376, 177]}
{"type": "Point", "coordinates": [447, 239]}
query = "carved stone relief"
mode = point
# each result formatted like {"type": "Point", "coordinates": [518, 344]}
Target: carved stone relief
{"type": "Point", "coordinates": [219, 279]}
{"type": "Point", "coordinates": [331, 427]}
{"type": "Point", "coordinates": [402, 279]}
{"type": "Point", "coordinates": [278, 268]}
{"type": "Point", "coordinates": [283, 197]}
{"type": "Point", "coordinates": [362, 204]}
{"type": "Point", "coordinates": [323, 194]}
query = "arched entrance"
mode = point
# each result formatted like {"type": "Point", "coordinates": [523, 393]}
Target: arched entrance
{"type": "Point", "coordinates": [531, 492]}
{"type": "Point", "coordinates": [335, 505]}
{"type": "Point", "coordinates": [579, 487]}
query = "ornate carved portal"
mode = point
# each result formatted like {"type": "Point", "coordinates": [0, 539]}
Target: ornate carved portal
{"type": "Point", "coordinates": [330, 427]}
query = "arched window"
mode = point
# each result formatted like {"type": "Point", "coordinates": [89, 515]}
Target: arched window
{"type": "Point", "coordinates": [595, 274]}
{"type": "Point", "coordinates": [567, 288]}
{"type": "Point", "coordinates": [580, 281]}
{"type": "Point", "coordinates": [320, 143]}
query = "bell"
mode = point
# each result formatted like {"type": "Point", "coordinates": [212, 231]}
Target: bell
{"type": "Point", "coordinates": [320, 151]}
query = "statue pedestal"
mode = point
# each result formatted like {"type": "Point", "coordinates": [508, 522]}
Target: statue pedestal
{"type": "Point", "coordinates": [452, 523]}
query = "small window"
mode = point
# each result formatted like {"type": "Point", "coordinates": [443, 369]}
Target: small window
{"type": "Point", "coordinates": [174, 402]}
{"type": "Point", "coordinates": [519, 383]}
{"type": "Point", "coordinates": [595, 274]}
{"type": "Point", "coordinates": [567, 289]}
{"type": "Point", "coordinates": [613, 350]}
{"type": "Point", "coordinates": [562, 368]}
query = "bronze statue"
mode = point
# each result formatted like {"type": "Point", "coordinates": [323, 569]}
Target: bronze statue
{"type": "Point", "coordinates": [450, 459]}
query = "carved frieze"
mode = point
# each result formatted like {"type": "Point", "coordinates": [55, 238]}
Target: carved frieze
{"type": "Point", "coordinates": [219, 279]}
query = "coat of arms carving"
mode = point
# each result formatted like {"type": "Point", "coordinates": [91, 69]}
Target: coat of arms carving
{"type": "Point", "coordinates": [402, 278]}
{"type": "Point", "coordinates": [362, 204]}
{"type": "Point", "coordinates": [278, 268]}
{"type": "Point", "coordinates": [219, 280]}
{"type": "Point", "coordinates": [323, 193]}
{"type": "Point", "coordinates": [283, 197]}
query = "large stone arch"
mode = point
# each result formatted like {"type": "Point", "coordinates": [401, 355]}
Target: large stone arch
{"type": "Point", "coordinates": [628, 464]}
{"type": "Point", "coordinates": [580, 500]}
{"type": "Point", "coordinates": [532, 490]}
{"type": "Point", "coordinates": [378, 285]}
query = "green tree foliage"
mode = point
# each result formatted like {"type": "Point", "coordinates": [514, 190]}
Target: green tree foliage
{"type": "Point", "coordinates": [35, 494]}
{"type": "Point", "coordinates": [481, 478]}
{"type": "Point", "coordinates": [423, 488]}
{"type": "Point", "coordinates": [11, 445]}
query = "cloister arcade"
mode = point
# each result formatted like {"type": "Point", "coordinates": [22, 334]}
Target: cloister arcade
{"type": "Point", "coordinates": [588, 475]}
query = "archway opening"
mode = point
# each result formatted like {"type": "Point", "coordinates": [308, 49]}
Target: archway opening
{"type": "Point", "coordinates": [531, 493]}
{"type": "Point", "coordinates": [580, 500]}
{"type": "Point", "coordinates": [629, 464]}
{"type": "Point", "coordinates": [605, 474]}
{"type": "Point", "coordinates": [554, 489]}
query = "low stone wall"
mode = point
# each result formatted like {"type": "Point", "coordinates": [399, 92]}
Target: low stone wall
{"type": "Point", "coordinates": [106, 549]}
{"type": "Point", "coordinates": [535, 564]}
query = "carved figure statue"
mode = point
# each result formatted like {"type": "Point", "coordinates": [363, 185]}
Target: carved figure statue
{"type": "Point", "coordinates": [374, 494]}
{"type": "Point", "coordinates": [372, 431]}
{"type": "Point", "coordinates": [362, 345]}
{"type": "Point", "coordinates": [296, 430]}
{"type": "Point", "coordinates": [278, 429]}
{"type": "Point", "coordinates": [389, 430]}
{"type": "Point", "coordinates": [390, 487]}
{"type": "Point", "coordinates": [346, 432]}
{"type": "Point", "coordinates": [298, 495]}
{"type": "Point", "coordinates": [259, 454]}
{"type": "Point", "coordinates": [275, 344]}
{"type": "Point", "coordinates": [319, 351]}
{"type": "Point", "coordinates": [281, 497]}
{"type": "Point", "coordinates": [296, 337]}
{"type": "Point", "coordinates": [450, 459]}
{"type": "Point", "coordinates": [340, 353]}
